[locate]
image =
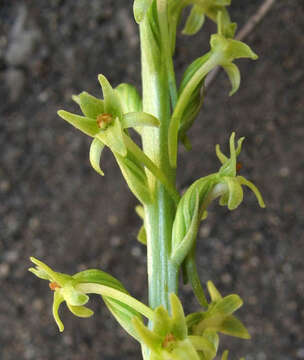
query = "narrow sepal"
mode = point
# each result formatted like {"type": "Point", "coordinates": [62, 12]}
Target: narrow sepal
{"type": "Point", "coordinates": [95, 153]}
{"type": "Point", "coordinates": [89, 104]}
{"type": "Point", "coordinates": [161, 321]}
{"type": "Point", "coordinates": [213, 292]}
{"type": "Point", "coordinates": [226, 306]}
{"type": "Point", "coordinates": [87, 125]}
{"type": "Point", "coordinates": [142, 235]}
{"type": "Point", "coordinates": [194, 21]}
{"type": "Point", "coordinates": [234, 327]}
{"type": "Point", "coordinates": [112, 103]}
{"type": "Point", "coordinates": [200, 343]}
{"type": "Point", "coordinates": [179, 326]}
{"type": "Point", "coordinates": [147, 336]}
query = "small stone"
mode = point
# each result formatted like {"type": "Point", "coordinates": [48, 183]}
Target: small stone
{"type": "Point", "coordinates": [115, 241]}
{"type": "Point", "coordinates": [136, 252]}
{"type": "Point", "coordinates": [300, 353]}
{"type": "Point", "coordinates": [226, 278]}
{"type": "Point", "coordinates": [4, 186]}
{"type": "Point", "coordinates": [4, 270]}
{"type": "Point", "coordinates": [11, 256]}
{"type": "Point", "coordinates": [112, 220]}
{"type": "Point", "coordinates": [205, 231]}
{"type": "Point", "coordinates": [284, 172]}
{"type": "Point", "coordinates": [34, 223]}
{"type": "Point", "coordinates": [15, 82]}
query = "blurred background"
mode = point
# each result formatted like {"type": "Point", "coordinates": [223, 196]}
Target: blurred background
{"type": "Point", "coordinates": [55, 207]}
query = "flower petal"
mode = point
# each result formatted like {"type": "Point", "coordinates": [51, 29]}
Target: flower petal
{"type": "Point", "coordinates": [90, 105]}
{"type": "Point", "coordinates": [253, 188]}
{"type": "Point", "coordinates": [95, 154]}
{"type": "Point", "coordinates": [194, 21]}
{"type": "Point", "coordinates": [58, 300]}
{"type": "Point", "coordinates": [86, 125]}
{"type": "Point", "coordinates": [112, 103]}
{"type": "Point", "coordinates": [234, 75]}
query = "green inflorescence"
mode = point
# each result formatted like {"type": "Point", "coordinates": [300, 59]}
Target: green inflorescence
{"type": "Point", "coordinates": [162, 117]}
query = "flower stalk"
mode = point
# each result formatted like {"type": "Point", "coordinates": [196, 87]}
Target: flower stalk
{"type": "Point", "coordinates": [162, 116]}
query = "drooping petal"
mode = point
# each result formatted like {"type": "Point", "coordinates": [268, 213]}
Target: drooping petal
{"type": "Point", "coordinates": [112, 137]}
{"type": "Point", "coordinates": [89, 104]}
{"type": "Point", "coordinates": [234, 75]}
{"type": "Point", "coordinates": [253, 188]}
{"type": "Point", "coordinates": [237, 49]}
{"type": "Point", "coordinates": [95, 154]}
{"type": "Point", "coordinates": [138, 119]}
{"type": "Point", "coordinates": [58, 300]}
{"type": "Point", "coordinates": [194, 21]}
{"type": "Point", "coordinates": [86, 125]}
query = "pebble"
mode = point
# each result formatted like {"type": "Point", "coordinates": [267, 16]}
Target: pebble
{"type": "Point", "coordinates": [22, 41]}
{"type": "Point", "coordinates": [15, 83]}
{"type": "Point", "coordinates": [300, 353]}
{"type": "Point", "coordinates": [4, 270]}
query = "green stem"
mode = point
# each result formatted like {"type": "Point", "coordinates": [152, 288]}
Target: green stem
{"type": "Point", "coordinates": [159, 215]}
{"type": "Point", "coordinates": [90, 288]}
{"type": "Point", "coordinates": [141, 156]}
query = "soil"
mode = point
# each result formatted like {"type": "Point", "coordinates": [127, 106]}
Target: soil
{"type": "Point", "coordinates": [55, 207]}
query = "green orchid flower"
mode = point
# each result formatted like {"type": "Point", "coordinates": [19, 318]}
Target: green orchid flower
{"type": "Point", "coordinates": [106, 120]}
{"type": "Point", "coordinates": [64, 291]}
{"type": "Point", "coordinates": [169, 339]}
{"type": "Point", "coordinates": [219, 316]}
{"type": "Point", "coordinates": [73, 290]}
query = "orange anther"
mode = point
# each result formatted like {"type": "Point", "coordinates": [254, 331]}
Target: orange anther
{"type": "Point", "coordinates": [238, 166]}
{"type": "Point", "coordinates": [53, 285]}
{"type": "Point", "coordinates": [103, 120]}
{"type": "Point", "coordinates": [169, 338]}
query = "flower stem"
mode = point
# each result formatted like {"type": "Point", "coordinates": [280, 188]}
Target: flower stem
{"type": "Point", "coordinates": [159, 215]}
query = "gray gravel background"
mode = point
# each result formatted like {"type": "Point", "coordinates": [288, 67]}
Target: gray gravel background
{"type": "Point", "coordinates": [55, 207]}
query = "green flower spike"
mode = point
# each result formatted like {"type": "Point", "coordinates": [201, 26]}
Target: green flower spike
{"type": "Point", "coordinates": [169, 339]}
{"type": "Point", "coordinates": [106, 120]}
{"type": "Point", "coordinates": [218, 316]}
{"type": "Point", "coordinates": [64, 290]}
